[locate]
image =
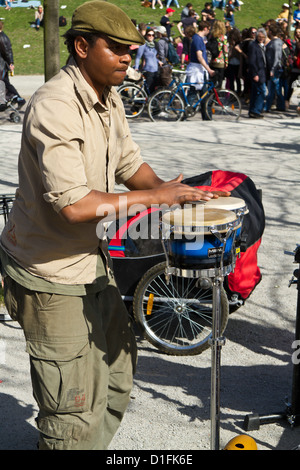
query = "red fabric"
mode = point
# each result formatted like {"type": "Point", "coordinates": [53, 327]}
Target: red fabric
{"type": "Point", "coordinates": [246, 274]}
{"type": "Point", "coordinates": [118, 239]}
{"type": "Point", "coordinates": [298, 60]}
{"type": "Point", "coordinates": [224, 181]}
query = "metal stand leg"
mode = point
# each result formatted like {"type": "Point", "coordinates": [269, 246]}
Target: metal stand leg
{"type": "Point", "coordinates": [216, 345]}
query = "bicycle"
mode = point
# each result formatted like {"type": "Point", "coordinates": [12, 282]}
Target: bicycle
{"type": "Point", "coordinates": [176, 316]}
{"type": "Point", "coordinates": [184, 101]}
{"type": "Point", "coordinates": [135, 95]}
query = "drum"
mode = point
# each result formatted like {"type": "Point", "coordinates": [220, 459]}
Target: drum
{"type": "Point", "coordinates": [234, 204]}
{"type": "Point", "coordinates": [200, 237]}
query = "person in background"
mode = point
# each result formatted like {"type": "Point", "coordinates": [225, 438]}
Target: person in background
{"type": "Point", "coordinates": [178, 45]}
{"type": "Point", "coordinates": [234, 61]}
{"type": "Point", "coordinates": [229, 16]}
{"type": "Point", "coordinates": [6, 67]}
{"type": "Point", "coordinates": [198, 56]}
{"type": "Point", "coordinates": [258, 74]}
{"type": "Point", "coordinates": [296, 15]}
{"type": "Point", "coordinates": [219, 4]}
{"type": "Point", "coordinates": [295, 65]}
{"type": "Point", "coordinates": [162, 45]}
{"type": "Point", "coordinates": [185, 11]}
{"type": "Point", "coordinates": [284, 14]}
{"type": "Point", "coordinates": [171, 1]}
{"type": "Point", "coordinates": [39, 17]}
{"type": "Point", "coordinates": [198, 67]}
{"type": "Point", "coordinates": [146, 60]}
{"type": "Point", "coordinates": [274, 51]}
{"type": "Point", "coordinates": [236, 4]}
{"type": "Point", "coordinates": [186, 39]}
{"type": "Point", "coordinates": [165, 21]}
{"type": "Point", "coordinates": [7, 5]}
{"type": "Point", "coordinates": [159, 3]}
{"type": "Point", "coordinates": [248, 35]}
{"type": "Point", "coordinates": [218, 46]}
{"type": "Point", "coordinates": [142, 28]}
{"type": "Point", "coordinates": [191, 20]}
{"type": "Point", "coordinates": [206, 12]}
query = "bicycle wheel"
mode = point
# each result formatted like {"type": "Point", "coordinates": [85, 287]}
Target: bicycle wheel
{"type": "Point", "coordinates": [134, 100]}
{"type": "Point", "coordinates": [226, 104]}
{"type": "Point", "coordinates": [175, 317]}
{"type": "Point", "coordinates": [165, 105]}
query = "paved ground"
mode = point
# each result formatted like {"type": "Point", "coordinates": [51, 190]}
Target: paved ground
{"type": "Point", "coordinates": [169, 409]}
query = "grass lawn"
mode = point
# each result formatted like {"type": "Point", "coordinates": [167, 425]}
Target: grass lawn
{"type": "Point", "coordinates": [30, 60]}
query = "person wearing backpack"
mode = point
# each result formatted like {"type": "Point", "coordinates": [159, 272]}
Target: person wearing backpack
{"type": "Point", "coordinates": [218, 47]}
{"type": "Point", "coordinates": [162, 47]}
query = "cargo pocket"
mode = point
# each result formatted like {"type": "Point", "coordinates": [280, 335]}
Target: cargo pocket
{"type": "Point", "coordinates": [60, 376]}
{"type": "Point", "coordinates": [57, 435]}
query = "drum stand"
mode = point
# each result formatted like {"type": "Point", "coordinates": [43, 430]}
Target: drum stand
{"type": "Point", "coordinates": [292, 411]}
{"type": "Point", "coordinates": [216, 341]}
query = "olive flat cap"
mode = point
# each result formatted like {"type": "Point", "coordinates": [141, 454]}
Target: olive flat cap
{"type": "Point", "coordinates": [104, 17]}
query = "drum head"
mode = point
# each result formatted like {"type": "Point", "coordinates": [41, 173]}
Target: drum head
{"type": "Point", "coordinates": [228, 203]}
{"type": "Point", "coordinates": [199, 220]}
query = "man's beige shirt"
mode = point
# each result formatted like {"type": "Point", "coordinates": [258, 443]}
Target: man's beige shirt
{"type": "Point", "coordinates": [71, 144]}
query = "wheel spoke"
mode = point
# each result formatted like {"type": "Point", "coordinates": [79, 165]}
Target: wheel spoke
{"type": "Point", "coordinates": [180, 320]}
{"type": "Point", "coordinates": [165, 105]}
{"type": "Point", "coordinates": [134, 100]}
{"type": "Point", "coordinates": [225, 105]}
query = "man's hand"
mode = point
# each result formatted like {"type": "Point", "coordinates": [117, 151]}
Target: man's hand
{"type": "Point", "coordinates": [174, 192]}
{"type": "Point", "coordinates": [217, 194]}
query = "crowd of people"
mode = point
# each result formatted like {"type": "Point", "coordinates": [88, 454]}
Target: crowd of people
{"type": "Point", "coordinates": [259, 64]}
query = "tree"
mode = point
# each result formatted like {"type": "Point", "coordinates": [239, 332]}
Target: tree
{"type": "Point", "coordinates": [51, 38]}
{"type": "Point", "coordinates": [290, 20]}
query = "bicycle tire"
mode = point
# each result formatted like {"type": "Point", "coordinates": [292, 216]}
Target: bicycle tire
{"type": "Point", "coordinates": [165, 105]}
{"type": "Point", "coordinates": [134, 100]}
{"type": "Point", "coordinates": [179, 323]}
{"type": "Point", "coordinates": [227, 105]}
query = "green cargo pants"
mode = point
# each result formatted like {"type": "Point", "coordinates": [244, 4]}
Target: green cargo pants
{"type": "Point", "coordinates": [82, 358]}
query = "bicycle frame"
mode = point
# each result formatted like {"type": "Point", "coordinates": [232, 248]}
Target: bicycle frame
{"type": "Point", "coordinates": [141, 86]}
{"type": "Point", "coordinates": [181, 87]}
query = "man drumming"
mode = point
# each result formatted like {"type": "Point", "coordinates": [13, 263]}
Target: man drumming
{"type": "Point", "coordinates": [58, 283]}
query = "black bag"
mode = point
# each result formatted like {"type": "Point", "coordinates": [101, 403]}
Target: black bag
{"type": "Point", "coordinates": [247, 274]}
{"type": "Point", "coordinates": [173, 57]}
{"type": "Point", "coordinates": [212, 49]}
{"type": "Point", "coordinates": [62, 21]}
{"type": "Point", "coordinates": [165, 75]}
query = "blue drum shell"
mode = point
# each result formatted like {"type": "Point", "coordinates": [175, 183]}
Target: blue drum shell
{"type": "Point", "coordinates": [204, 252]}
